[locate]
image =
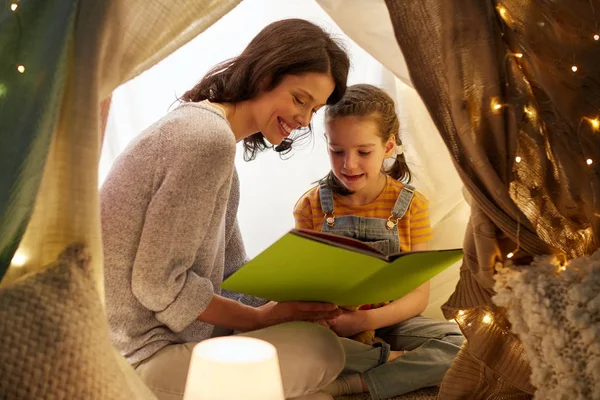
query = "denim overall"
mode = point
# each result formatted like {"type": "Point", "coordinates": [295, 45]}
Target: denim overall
{"type": "Point", "coordinates": [377, 232]}
{"type": "Point", "coordinates": [431, 345]}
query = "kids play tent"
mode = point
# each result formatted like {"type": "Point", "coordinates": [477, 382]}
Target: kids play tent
{"type": "Point", "coordinates": [509, 88]}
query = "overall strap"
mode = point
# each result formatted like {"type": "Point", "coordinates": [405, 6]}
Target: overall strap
{"type": "Point", "coordinates": [403, 202]}
{"type": "Point", "coordinates": [326, 199]}
{"type": "Point", "coordinates": [326, 195]}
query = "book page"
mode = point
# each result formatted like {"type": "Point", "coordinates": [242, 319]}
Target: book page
{"type": "Point", "coordinates": [340, 241]}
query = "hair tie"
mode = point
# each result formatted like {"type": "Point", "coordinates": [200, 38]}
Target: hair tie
{"type": "Point", "coordinates": [400, 149]}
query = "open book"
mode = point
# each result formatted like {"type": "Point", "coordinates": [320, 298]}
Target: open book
{"type": "Point", "coordinates": [316, 266]}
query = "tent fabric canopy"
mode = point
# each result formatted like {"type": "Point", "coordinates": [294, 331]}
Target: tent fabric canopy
{"type": "Point", "coordinates": [521, 125]}
{"type": "Point", "coordinates": [110, 43]}
{"type": "Point", "coordinates": [53, 189]}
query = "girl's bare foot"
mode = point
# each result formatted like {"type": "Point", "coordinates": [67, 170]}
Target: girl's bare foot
{"type": "Point", "coordinates": [395, 354]}
{"type": "Point", "coordinates": [345, 385]}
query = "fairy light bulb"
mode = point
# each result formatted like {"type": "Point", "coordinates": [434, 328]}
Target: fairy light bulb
{"type": "Point", "coordinates": [562, 268]}
{"type": "Point", "coordinates": [461, 312]}
{"type": "Point", "coordinates": [519, 55]}
{"type": "Point", "coordinates": [14, 7]}
{"type": "Point", "coordinates": [589, 161]}
{"type": "Point", "coordinates": [529, 111]}
{"type": "Point", "coordinates": [21, 68]}
{"type": "Point", "coordinates": [510, 255]}
{"type": "Point", "coordinates": [487, 319]}
{"type": "Point", "coordinates": [596, 37]}
{"type": "Point", "coordinates": [518, 159]}
{"type": "Point", "coordinates": [18, 259]}
{"type": "Point", "coordinates": [502, 11]}
{"type": "Point", "coordinates": [574, 68]}
{"type": "Point", "coordinates": [595, 123]}
{"type": "Point", "coordinates": [495, 104]}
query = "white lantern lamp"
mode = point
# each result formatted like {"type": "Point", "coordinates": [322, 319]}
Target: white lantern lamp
{"type": "Point", "coordinates": [233, 368]}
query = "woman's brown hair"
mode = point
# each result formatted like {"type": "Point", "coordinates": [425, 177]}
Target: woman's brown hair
{"type": "Point", "coordinates": [286, 47]}
{"type": "Point", "coordinates": [369, 101]}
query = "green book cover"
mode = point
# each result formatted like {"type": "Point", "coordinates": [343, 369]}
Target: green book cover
{"type": "Point", "coordinates": [315, 266]}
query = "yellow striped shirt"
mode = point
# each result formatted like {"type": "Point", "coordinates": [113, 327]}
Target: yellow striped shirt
{"type": "Point", "coordinates": [413, 228]}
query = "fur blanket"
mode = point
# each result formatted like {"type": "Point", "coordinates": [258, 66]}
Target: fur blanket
{"type": "Point", "coordinates": [555, 311]}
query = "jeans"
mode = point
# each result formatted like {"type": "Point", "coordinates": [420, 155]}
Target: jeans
{"type": "Point", "coordinates": [432, 345]}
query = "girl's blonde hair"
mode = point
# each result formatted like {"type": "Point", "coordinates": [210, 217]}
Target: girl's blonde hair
{"type": "Point", "coordinates": [369, 101]}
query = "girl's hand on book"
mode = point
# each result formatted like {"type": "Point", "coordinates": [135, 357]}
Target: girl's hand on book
{"type": "Point", "coordinates": [350, 323]}
{"type": "Point", "coordinates": [274, 313]}
{"type": "Point", "coordinates": [327, 323]}
{"type": "Point", "coordinates": [323, 322]}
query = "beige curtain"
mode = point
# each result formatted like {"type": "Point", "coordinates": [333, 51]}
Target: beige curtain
{"type": "Point", "coordinates": [513, 88]}
{"type": "Point", "coordinates": [113, 42]}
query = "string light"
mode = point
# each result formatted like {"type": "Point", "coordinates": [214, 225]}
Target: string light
{"type": "Point", "coordinates": [487, 319]}
{"type": "Point", "coordinates": [495, 104]}
{"type": "Point", "coordinates": [594, 122]}
{"type": "Point", "coordinates": [518, 55]}
{"type": "Point", "coordinates": [562, 268]}
{"type": "Point", "coordinates": [512, 253]}
{"type": "Point", "coordinates": [589, 161]}
{"type": "Point", "coordinates": [518, 159]}
{"type": "Point", "coordinates": [13, 6]}
{"type": "Point", "coordinates": [596, 37]}
{"type": "Point", "coordinates": [529, 111]}
{"type": "Point", "coordinates": [18, 259]}
{"type": "Point", "coordinates": [461, 312]}
{"type": "Point", "coordinates": [574, 68]}
{"type": "Point", "coordinates": [502, 11]}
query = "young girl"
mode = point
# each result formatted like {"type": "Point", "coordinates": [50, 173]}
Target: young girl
{"type": "Point", "coordinates": [169, 205]}
{"type": "Point", "coordinates": [363, 199]}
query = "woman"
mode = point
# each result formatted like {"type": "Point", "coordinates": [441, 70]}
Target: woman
{"type": "Point", "coordinates": [169, 205]}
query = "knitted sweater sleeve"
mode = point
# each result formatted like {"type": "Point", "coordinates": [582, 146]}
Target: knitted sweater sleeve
{"type": "Point", "coordinates": [193, 172]}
